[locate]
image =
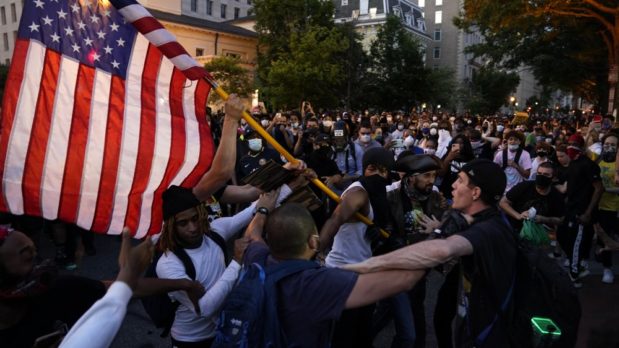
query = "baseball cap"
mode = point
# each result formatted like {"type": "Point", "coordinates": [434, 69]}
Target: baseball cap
{"type": "Point", "coordinates": [489, 177]}
{"type": "Point", "coordinates": [177, 199]}
{"type": "Point", "coordinates": [378, 156]}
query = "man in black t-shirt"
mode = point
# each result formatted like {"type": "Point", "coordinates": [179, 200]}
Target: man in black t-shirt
{"type": "Point", "coordinates": [488, 256]}
{"type": "Point", "coordinates": [584, 190]}
{"type": "Point", "coordinates": [538, 194]}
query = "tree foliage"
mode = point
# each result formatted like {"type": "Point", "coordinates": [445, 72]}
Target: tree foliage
{"type": "Point", "coordinates": [4, 72]}
{"type": "Point", "coordinates": [489, 90]}
{"type": "Point", "coordinates": [397, 76]}
{"type": "Point", "coordinates": [232, 77]}
{"type": "Point", "coordinates": [569, 44]}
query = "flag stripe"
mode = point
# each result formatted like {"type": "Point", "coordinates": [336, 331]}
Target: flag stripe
{"type": "Point", "coordinates": [93, 160]}
{"type": "Point", "coordinates": [74, 166]}
{"type": "Point", "coordinates": [35, 159]}
{"type": "Point", "coordinates": [174, 49]}
{"type": "Point", "coordinates": [147, 136]}
{"type": "Point", "coordinates": [206, 143]}
{"type": "Point", "coordinates": [59, 138]}
{"type": "Point", "coordinates": [163, 138]}
{"type": "Point", "coordinates": [9, 105]}
{"type": "Point", "coordinates": [131, 132]}
{"type": "Point", "coordinates": [111, 155]}
{"type": "Point", "coordinates": [131, 13]}
{"type": "Point", "coordinates": [177, 147]}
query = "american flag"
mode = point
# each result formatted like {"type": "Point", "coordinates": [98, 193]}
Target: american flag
{"type": "Point", "coordinates": [99, 118]}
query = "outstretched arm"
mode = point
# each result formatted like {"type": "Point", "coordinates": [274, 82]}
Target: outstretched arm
{"type": "Point", "coordinates": [222, 168]}
{"type": "Point", "coordinates": [417, 256]}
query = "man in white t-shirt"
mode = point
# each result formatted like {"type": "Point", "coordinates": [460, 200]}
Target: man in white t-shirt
{"type": "Point", "coordinates": [515, 161]}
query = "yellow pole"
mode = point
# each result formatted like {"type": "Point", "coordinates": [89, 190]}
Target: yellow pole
{"type": "Point", "coordinates": [258, 128]}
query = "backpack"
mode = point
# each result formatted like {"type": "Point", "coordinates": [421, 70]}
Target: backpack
{"type": "Point", "coordinates": [160, 308]}
{"type": "Point", "coordinates": [516, 158]}
{"type": "Point", "coordinates": [249, 317]}
{"type": "Point", "coordinates": [340, 136]}
{"type": "Point", "coordinates": [543, 289]}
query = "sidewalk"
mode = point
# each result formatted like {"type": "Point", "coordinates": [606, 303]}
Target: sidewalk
{"type": "Point", "coordinates": [599, 308]}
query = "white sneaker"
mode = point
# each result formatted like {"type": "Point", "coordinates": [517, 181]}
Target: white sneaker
{"type": "Point", "coordinates": [608, 276]}
{"type": "Point", "coordinates": [566, 263]}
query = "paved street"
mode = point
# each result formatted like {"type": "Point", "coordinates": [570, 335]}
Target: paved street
{"type": "Point", "coordinates": [137, 330]}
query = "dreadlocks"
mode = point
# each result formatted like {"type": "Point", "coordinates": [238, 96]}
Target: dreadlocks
{"type": "Point", "coordinates": [169, 241]}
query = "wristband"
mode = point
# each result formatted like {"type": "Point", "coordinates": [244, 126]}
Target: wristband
{"type": "Point", "coordinates": [262, 210]}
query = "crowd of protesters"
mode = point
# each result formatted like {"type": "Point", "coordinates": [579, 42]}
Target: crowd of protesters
{"type": "Point", "coordinates": [439, 184]}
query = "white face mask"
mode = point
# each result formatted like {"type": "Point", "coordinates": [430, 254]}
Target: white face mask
{"type": "Point", "coordinates": [365, 138]}
{"type": "Point", "coordinates": [255, 144]}
{"type": "Point", "coordinates": [434, 118]}
{"type": "Point", "coordinates": [500, 128]}
{"type": "Point", "coordinates": [409, 141]}
{"type": "Point", "coordinates": [295, 124]}
{"type": "Point", "coordinates": [429, 151]}
{"type": "Point", "coordinates": [433, 131]}
{"type": "Point", "coordinates": [513, 147]}
{"type": "Point", "coordinates": [400, 127]}
{"type": "Point", "coordinates": [264, 123]}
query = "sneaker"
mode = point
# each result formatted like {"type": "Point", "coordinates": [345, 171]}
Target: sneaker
{"type": "Point", "coordinates": [576, 282]}
{"type": "Point", "coordinates": [608, 276]}
{"type": "Point", "coordinates": [566, 263]}
{"type": "Point", "coordinates": [583, 272]}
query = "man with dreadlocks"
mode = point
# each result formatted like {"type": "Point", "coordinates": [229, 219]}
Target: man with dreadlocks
{"type": "Point", "coordinates": [186, 239]}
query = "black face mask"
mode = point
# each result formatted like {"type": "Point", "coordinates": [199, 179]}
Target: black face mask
{"type": "Point", "coordinates": [325, 151]}
{"type": "Point", "coordinates": [543, 181]}
{"type": "Point", "coordinates": [609, 156]}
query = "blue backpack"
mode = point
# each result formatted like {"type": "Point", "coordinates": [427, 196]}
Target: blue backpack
{"type": "Point", "coordinates": [249, 318]}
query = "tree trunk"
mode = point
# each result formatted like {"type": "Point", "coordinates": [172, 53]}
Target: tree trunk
{"type": "Point", "coordinates": [613, 91]}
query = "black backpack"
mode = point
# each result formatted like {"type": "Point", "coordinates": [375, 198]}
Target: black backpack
{"type": "Point", "coordinates": [160, 308]}
{"type": "Point", "coordinates": [543, 289]}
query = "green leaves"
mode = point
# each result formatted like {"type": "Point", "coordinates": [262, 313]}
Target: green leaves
{"type": "Point", "coordinates": [232, 77]}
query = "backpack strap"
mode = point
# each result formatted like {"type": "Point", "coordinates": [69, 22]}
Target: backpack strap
{"type": "Point", "coordinates": [518, 154]}
{"type": "Point", "coordinates": [483, 335]}
{"type": "Point", "coordinates": [186, 260]}
{"type": "Point", "coordinates": [504, 163]}
{"type": "Point", "coordinates": [221, 242]}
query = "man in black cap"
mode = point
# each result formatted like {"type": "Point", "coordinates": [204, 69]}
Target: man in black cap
{"type": "Point", "coordinates": [487, 249]}
{"type": "Point", "coordinates": [352, 239]}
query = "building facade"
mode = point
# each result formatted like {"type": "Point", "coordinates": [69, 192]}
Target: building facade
{"type": "Point", "coordinates": [10, 13]}
{"type": "Point", "coordinates": [369, 15]}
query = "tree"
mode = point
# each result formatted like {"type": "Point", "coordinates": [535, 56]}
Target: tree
{"type": "Point", "coordinates": [397, 77]}
{"type": "Point", "coordinates": [310, 70]}
{"type": "Point", "coordinates": [557, 37]}
{"type": "Point", "coordinates": [232, 77]}
{"type": "Point", "coordinates": [353, 91]}
{"type": "Point", "coordinates": [299, 50]}
{"type": "Point", "coordinates": [441, 89]}
{"type": "Point", "coordinates": [489, 90]}
{"type": "Point", "coordinates": [4, 72]}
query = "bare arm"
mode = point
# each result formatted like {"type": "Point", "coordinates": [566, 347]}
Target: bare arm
{"type": "Point", "coordinates": [506, 205]}
{"type": "Point", "coordinates": [417, 256]}
{"type": "Point", "coordinates": [595, 199]}
{"type": "Point", "coordinates": [240, 194]}
{"type": "Point", "coordinates": [372, 287]}
{"type": "Point", "coordinates": [352, 202]}
{"type": "Point", "coordinates": [222, 168]}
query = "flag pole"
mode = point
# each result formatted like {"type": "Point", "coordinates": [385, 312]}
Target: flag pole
{"type": "Point", "coordinates": [266, 136]}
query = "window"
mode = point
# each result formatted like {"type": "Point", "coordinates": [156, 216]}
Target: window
{"type": "Point", "coordinates": [344, 2]}
{"type": "Point", "coordinates": [437, 34]}
{"type": "Point", "coordinates": [3, 15]}
{"type": "Point", "coordinates": [232, 55]}
{"type": "Point", "coordinates": [5, 38]}
{"type": "Point", "coordinates": [438, 17]}
{"type": "Point", "coordinates": [437, 53]}
{"type": "Point", "coordinates": [209, 7]}
{"type": "Point", "coordinates": [199, 52]}
{"type": "Point", "coordinates": [439, 2]}
{"type": "Point", "coordinates": [224, 7]}
{"type": "Point", "coordinates": [13, 13]}
{"type": "Point", "coordinates": [422, 3]}
{"type": "Point", "coordinates": [237, 13]}
{"type": "Point", "coordinates": [194, 5]}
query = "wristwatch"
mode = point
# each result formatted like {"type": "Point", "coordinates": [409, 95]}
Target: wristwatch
{"type": "Point", "coordinates": [262, 210]}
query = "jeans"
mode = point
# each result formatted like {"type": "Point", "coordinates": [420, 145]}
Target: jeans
{"type": "Point", "coordinates": [399, 307]}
